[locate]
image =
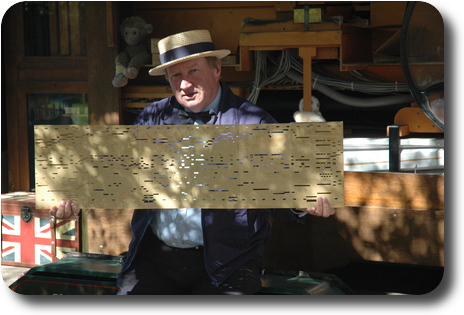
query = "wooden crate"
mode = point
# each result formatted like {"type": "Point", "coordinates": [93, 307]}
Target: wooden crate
{"type": "Point", "coordinates": [28, 235]}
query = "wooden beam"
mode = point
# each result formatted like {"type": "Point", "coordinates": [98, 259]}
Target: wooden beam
{"type": "Point", "coordinates": [291, 39]}
{"type": "Point", "coordinates": [29, 86]}
{"type": "Point", "coordinates": [53, 74]}
{"type": "Point", "coordinates": [14, 100]}
{"type": "Point", "coordinates": [63, 16]}
{"type": "Point", "coordinates": [307, 54]}
{"type": "Point", "coordinates": [57, 62]}
{"type": "Point", "coordinates": [245, 59]}
{"type": "Point", "coordinates": [74, 28]}
{"type": "Point", "coordinates": [112, 28]}
{"type": "Point", "coordinates": [395, 190]}
{"type": "Point", "coordinates": [53, 28]}
{"type": "Point", "coordinates": [156, 91]}
{"type": "Point", "coordinates": [104, 98]}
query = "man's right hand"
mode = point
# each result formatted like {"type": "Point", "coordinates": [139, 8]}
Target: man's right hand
{"type": "Point", "coordinates": [65, 210]}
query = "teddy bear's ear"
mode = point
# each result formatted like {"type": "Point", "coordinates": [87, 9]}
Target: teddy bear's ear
{"type": "Point", "coordinates": [148, 28]}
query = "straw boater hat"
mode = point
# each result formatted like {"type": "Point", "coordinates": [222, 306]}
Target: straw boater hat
{"type": "Point", "coordinates": [185, 46]}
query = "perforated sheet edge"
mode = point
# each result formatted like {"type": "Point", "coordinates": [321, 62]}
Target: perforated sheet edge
{"type": "Point", "coordinates": [189, 166]}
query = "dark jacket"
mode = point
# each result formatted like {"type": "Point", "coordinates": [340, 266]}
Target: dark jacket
{"type": "Point", "coordinates": [231, 236]}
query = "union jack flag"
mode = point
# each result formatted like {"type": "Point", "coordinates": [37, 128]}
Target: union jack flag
{"type": "Point", "coordinates": [30, 242]}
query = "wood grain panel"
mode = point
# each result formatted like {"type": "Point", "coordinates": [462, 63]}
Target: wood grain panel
{"type": "Point", "coordinates": [395, 190]}
{"type": "Point", "coordinates": [388, 217]}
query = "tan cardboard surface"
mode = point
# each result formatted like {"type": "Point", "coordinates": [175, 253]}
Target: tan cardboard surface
{"type": "Point", "coordinates": [190, 166]}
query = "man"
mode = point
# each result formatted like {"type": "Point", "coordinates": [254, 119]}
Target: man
{"type": "Point", "coordinates": [197, 251]}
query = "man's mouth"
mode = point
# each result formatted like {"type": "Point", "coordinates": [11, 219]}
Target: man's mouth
{"type": "Point", "coordinates": [189, 95]}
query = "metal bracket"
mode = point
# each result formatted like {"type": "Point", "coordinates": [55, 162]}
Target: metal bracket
{"type": "Point", "coordinates": [26, 214]}
{"type": "Point", "coordinates": [306, 17]}
{"type": "Point", "coordinates": [394, 148]}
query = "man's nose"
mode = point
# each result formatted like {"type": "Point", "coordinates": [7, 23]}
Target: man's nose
{"type": "Point", "coordinates": [185, 84]}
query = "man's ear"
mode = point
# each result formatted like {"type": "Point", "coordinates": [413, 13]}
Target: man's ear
{"type": "Point", "coordinates": [219, 68]}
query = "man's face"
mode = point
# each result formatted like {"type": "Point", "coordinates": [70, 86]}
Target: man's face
{"type": "Point", "coordinates": [195, 83]}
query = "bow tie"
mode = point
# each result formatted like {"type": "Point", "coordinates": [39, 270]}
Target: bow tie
{"type": "Point", "coordinates": [189, 118]}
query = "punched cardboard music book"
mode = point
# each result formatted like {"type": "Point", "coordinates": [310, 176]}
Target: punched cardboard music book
{"type": "Point", "coordinates": [189, 166]}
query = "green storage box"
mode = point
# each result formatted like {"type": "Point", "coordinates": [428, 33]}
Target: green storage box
{"type": "Point", "coordinates": [96, 274]}
{"type": "Point", "coordinates": [76, 273]}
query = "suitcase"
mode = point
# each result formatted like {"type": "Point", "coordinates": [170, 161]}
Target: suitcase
{"type": "Point", "coordinates": [30, 237]}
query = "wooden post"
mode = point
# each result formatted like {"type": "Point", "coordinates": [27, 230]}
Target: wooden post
{"type": "Point", "coordinates": [307, 53]}
{"type": "Point", "coordinates": [104, 99]}
{"type": "Point", "coordinates": [394, 148]}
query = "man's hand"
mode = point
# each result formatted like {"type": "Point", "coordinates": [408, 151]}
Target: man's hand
{"type": "Point", "coordinates": [322, 209]}
{"type": "Point", "coordinates": [65, 210]}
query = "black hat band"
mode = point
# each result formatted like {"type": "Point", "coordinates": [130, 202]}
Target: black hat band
{"type": "Point", "coordinates": [185, 51]}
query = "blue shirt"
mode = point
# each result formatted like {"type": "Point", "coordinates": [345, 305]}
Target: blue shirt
{"type": "Point", "coordinates": [178, 227]}
{"type": "Point", "coordinates": [182, 227]}
{"type": "Point", "coordinates": [214, 106]}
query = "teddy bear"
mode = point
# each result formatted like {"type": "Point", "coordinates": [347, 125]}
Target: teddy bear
{"type": "Point", "coordinates": [309, 116]}
{"type": "Point", "coordinates": [134, 31]}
